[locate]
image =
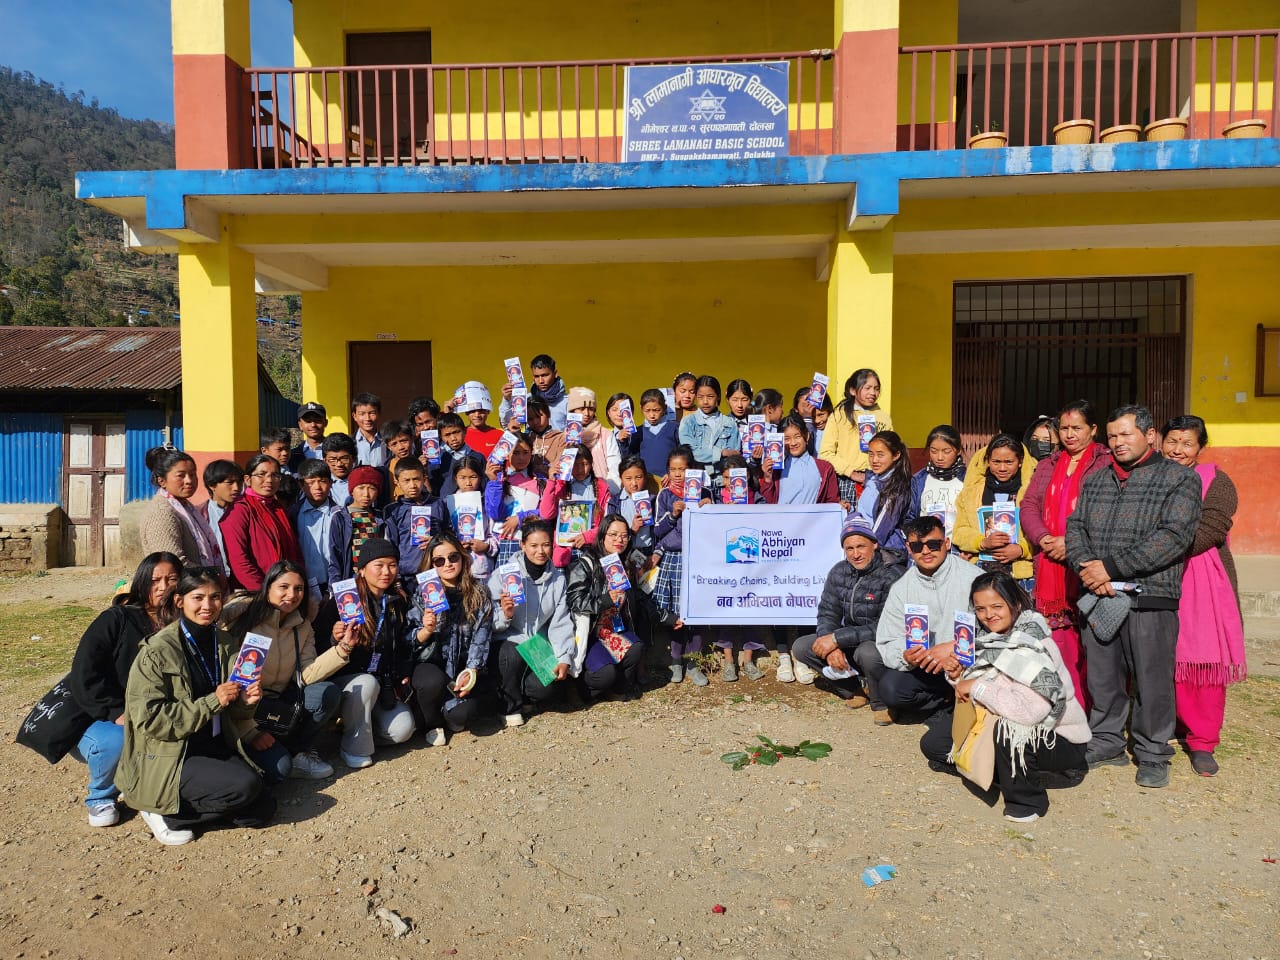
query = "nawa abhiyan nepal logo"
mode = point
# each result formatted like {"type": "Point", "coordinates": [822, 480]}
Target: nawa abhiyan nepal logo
{"type": "Point", "coordinates": [749, 545]}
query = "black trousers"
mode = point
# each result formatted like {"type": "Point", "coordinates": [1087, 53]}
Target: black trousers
{"type": "Point", "coordinates": [915, 691]}
{"type": "Point", "coordinates": [624, 675]}
{"type": "Point", "coordinates": [865, 658]}
{"type": "Point", "coordinates": [1020, 786]}
{"type": "Point", "coordinates": [431, 691]}
{"type": "Point", "coordinates": [518, 684]}
{"type": "Point", "coordinates": [217, 788]}
{"type": "Point", "coordinates": [1142, 652]}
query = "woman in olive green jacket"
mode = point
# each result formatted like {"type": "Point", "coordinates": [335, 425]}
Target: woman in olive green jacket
{"type": "Point", "coordinates": [183, 764]}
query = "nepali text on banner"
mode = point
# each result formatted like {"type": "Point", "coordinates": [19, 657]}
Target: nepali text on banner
{"type": "Point", "coordinates": [707, 111]}
{"type": "Point", "coordinates": [758, 564]}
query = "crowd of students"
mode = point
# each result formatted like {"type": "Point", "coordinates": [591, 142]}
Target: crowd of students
{"type": "Point", "coordinates": [1110, 603]}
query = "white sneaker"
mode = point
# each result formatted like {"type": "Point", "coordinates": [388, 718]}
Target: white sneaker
{"type": "Point", "coordinates": [354, 762]}
{"type": "Point", "coordinates": [1029, 818]}
{"type": "Point", "coordinates": [514, 719]}
{"type": "Point", "coordinates": [165, 833]}
{"type": "Point", "coordinates": [436, 737]}
{"type": "Point", "coordinates": [104, 814]}
{"type": "Point", "coordinates": [309, 766]}
{"type": "Point", "coordinates": [785, 673]}
{"type": "Point", "coordinates": [804, 674]}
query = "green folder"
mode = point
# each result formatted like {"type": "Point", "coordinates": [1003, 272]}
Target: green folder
{"type": "Point", "coordinates": [542, 660]}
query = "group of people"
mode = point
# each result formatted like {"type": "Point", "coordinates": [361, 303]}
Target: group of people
{"type": "Point", "coordinates": [1109, 602]}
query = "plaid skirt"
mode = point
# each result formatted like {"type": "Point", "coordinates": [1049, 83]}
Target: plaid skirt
{"type": "Point", "coordinates": [507, 550]}
{"type": "Point", "coordinates": [848, 490]}
{"type": "Point", "coordinates": [666, 592]}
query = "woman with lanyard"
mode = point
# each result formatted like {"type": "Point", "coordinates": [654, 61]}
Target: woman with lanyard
{"type": "Point", "coordinates": [256, 529]}
{"type": "Point", "coordinates": [375, 677]}
{"type": "Point", "coordinates": [451, 646]}
{"type": "Point", "coordinates": [1050, 498]}
{"type": "Point", "coordinates": [542, 610]}
{"type": "Point", "coordinates": [291, 672]}
{"type": "Point", "coordinates": [1210, 651]}
{"type": "Point", "coordinates": [100, 671]}
{"type": "Point", "coordinates": [183, 764]}
{"type": "Point", "coordinates": [170, 524]}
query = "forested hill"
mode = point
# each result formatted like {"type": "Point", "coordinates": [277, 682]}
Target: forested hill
{"type": "Point", "coordinates": [62, 261]}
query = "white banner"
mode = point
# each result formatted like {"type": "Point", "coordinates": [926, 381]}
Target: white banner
{"type": "Point", "coordinates": [758, 564]}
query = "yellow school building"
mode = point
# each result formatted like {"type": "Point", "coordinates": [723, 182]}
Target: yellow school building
{"type": "Point", "coordinates": [997, 208]}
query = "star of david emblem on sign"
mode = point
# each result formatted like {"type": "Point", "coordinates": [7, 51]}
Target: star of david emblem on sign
{"type": "Point", "coordinates": [707, 106]}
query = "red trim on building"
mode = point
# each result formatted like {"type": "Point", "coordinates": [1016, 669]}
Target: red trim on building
{"type": "Point", "coordinates": [208, 107]}
{"type": "Point", "coordinates": [866, 91]}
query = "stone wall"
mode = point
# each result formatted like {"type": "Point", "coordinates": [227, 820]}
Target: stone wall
{"type": "Point", "coordinates": [30, 537]}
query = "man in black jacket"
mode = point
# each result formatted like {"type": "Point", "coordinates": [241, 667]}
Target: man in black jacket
{"type": "Point", "coordinates": [1127, 538]}
{"type": "Point", "coordinates": [848, 612]}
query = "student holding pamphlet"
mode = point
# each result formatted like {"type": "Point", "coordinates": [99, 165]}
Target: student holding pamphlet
{"type": "Point", "coordinates": [361, 520]}
{"type": "Point", "coordinates": [846, 439]}
{"type": "Point", "coordinates": [621, 415]}
{"type": "Point", "coordinates": [183, 764]}
{"type": "Point", "coordinates": [994, 485]}
{"type": "Point", "coordinates": [799, 477]}
{"type": "Point", "coordinates": [467, 516]}
{"type": "Point", "coordinates": [936, 487]}
{"type": "Point", "coordinates": [668, 556]}
{"type": "Point", "coordinates": [512, 495]}
{"type": "Point", "coordinates": [537, 611]}
{"type": "Point", "coordinates": [602, 443]}
{"type": "Point", "coordinates": [415, 516]}
{"type": "Point", "coordinates": [605, 605]}
{"type": "Point", "coordinates": [293, 678]}
{"type": "Point", "coordinates": [709, 434]}
{"type": "Point", "coordinates": [582, 487]}
{"type": "Point", "coordinates": [1018, 680]}
{"type": "Point", "coordinates": [886, 495]}
{"type": "Point", "coordinates": [450, 644]}
{"type": "Point", "coordinates": [659, 433]}
{"type": "Point", "coordinates": [738, 396]}
{"type": "Point", "coordinates": [366, 620]}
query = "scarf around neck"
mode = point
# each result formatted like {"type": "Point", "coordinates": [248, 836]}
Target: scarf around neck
{"type": "Point", "coordinates": [206, 543]}
{"type": "Point", "coordinates": [956, 470]}
{"type": "Point", "coordinates": [992, 487]}
{"type": "Point", "coordinates": [553, 394]}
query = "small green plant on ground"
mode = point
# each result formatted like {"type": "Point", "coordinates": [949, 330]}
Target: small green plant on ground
{"type": "Point", "coordinates": [769, 753]}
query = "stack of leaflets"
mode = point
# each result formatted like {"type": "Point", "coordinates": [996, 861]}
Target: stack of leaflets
{"type": "Point", "coordinates": [818, 390]}
{"type": "Point", "coordinates": [347, 598]}
{"type": "Point", "coordinates": [248, 665]}
{"type": "Point", "coordinates": [917, 624]}
{"type": "Point", "coordinates": [431, 590]}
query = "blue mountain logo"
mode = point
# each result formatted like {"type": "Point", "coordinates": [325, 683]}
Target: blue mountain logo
{"type": "Point", "coordinates": [742, 545]}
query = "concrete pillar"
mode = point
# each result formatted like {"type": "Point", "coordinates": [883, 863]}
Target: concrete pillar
{"type": "Point", "coordinates": [210, 101]}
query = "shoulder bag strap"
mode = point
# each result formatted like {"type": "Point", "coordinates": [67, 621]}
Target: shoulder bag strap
{"type": "Point", "coordinates": [297, 660]}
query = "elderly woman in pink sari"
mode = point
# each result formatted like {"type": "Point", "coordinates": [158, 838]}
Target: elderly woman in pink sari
{"type": "Point", "coordinates": [1210, 653]}
{"type": "Point", "coordinates": [1050, 498]}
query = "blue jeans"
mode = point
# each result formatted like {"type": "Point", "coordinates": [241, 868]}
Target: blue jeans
{"type": "Point", "coordinates": [100, 748]}
{"type": "Point", "coordinates": [320, 703]}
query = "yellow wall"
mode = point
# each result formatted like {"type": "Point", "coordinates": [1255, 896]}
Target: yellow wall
{"type": "Point", "coordinates": [610, 327]}
{"type": "Point", "coordinates": [1229, 296]}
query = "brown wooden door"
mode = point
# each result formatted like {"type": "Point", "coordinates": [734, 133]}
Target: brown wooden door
{"type": "Point", "coordinates": [388, 108]}
{"type": "Point", "coordinates": [93, 489]}
{"type": "Point", "coordinates": [397, 371]}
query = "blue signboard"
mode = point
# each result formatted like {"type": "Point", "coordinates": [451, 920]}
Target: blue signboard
{"type": "Point", "coordinates": [714, 111]}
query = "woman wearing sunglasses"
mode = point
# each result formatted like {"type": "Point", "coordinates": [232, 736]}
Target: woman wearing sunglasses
{"type": "Point", "coordinates": [378, 653]}
{"type": "Point", "coordinates": [255, 529]}
{"type": "Point", "coordinates": [451, 647]}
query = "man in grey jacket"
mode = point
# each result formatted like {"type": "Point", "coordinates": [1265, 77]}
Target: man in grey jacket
{"type": "Point", "coordinates": [1133, 524]}
{"type": "Point", "coordinates": [916, 680]}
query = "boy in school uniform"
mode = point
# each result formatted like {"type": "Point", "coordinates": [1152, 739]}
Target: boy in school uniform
{"type": "Point", "coordinates": [546, 385]}
{"type": "Point", "coordinates": [414, 531]}
{"type": "Point", "coordinates": [548, 442]}
{"type": "Point", "coordinates": [224, 481]}
{"type": "Point", "coordinates": [274, 442]}
{"type": "Point", "coordinates": [423, 413]}
{"type": "Point", "coordinates": [312, 519]}
{"type": "Point", "coordinates": [340, 458]}
{"type": "Point", "coordinates": [453, 445]}
{"type": "Point", "coordinates": [366, 411]}
{"type": "Point", "coordinates": [398, 436]}
{"type": "Point", "coordinates": [312, 421]}
{"type": "Point", "coordinates": [360, 521]}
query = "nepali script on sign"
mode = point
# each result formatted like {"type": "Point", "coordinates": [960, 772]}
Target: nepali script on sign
{"type": "Point", "coordinates": [757, 564]}
{"type": "Point", "coordinates": [711, 111]}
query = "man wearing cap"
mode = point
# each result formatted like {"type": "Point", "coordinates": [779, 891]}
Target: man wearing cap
{"type": "Point", "coordinates": [852, 599]}
{"type": "Point", "coordinates": [312, 421]}
{"type": "Point", "coordinates": [915, 681]}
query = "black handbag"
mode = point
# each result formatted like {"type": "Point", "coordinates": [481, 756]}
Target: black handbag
{"type": "Point", "coordinates": [55, 724]}
{"type": "Point", "coordinates": [281, 714]}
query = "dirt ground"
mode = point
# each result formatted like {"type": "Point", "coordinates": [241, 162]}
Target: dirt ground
{"type": "Point", "coordinates": [613, 832]}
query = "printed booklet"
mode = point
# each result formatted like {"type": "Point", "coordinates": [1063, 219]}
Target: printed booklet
{"type": "Point", "coordinates": [572, 429]}
{"type": "Point", "coordinates": [520, 405]}
{"type": "Point", "coordinates": [644, 506]}
{"type": "Point", "coordinates": [251, 659]}
{"type": "Point", "coordinates": [537, 653]}
{"type": "Point", "coordinates": [512, 582]}
{"type": "Point", "coordinates": [818, 390]}
{"type": "Point", "coordinates": [431, 590]}
{"type": "Point", "coordinates": [738, 485]}
{"type": "Point", "coordinates": [615, 572]}
{"type": "Point", "coordinates": [515, 372]}
{"type": "Point", "coordinates": [756, 430]}
{"type": "Point", "coordinates": [502, 449]}
{"type": "Point", "coordinates": [431, 446]}
{"type": "Point", "coordinates": [564, 468]}
{"type": "Point", "coordinates": [775, 449]}
{"type": "Point", "coordinates": [574, 519]}
{"type": "Point", "coordinates": [467, 512]}
{"type": "Point", "coordinates": [866, 430]}
{"type": "Point", "coordinates": [420, 525]}
{"type": "Point", "coordinates": [627, 417]}
{"type": "Point", "coordinates": [347, 598]}
{"type": "Point", "coordinates": [917, 618]}
{"type": "Point", "coordinates": [693, 483]}
{"type": "Point", "coordinates": [965, 631]}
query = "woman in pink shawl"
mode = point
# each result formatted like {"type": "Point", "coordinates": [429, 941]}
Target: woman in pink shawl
{"type": "Point", "coordinates": [1050, 498]}
{"type": "Point", "coordinates": [1210, 653]}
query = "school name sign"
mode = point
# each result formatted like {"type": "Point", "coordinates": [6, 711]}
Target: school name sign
{"type": "Point", "coordinates": [734, 111]}
{"type": "Point", "coordinates": [757, 564]}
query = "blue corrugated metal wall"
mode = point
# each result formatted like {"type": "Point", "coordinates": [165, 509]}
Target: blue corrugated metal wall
{"type": "Point", "coordinates": [144, 429]}
{"type": "Point", "coordinates": [31, 454]}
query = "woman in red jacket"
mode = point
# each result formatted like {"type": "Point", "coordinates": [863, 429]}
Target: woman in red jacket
{"type": "Point", "coordinates": [255, 529]}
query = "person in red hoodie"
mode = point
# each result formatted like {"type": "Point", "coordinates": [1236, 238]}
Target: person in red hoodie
{"type": "Point", "coordinates": [255, 529]}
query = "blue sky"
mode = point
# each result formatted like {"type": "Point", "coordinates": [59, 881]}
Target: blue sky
{"type": "Point", "coordinates": [120, 53]}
